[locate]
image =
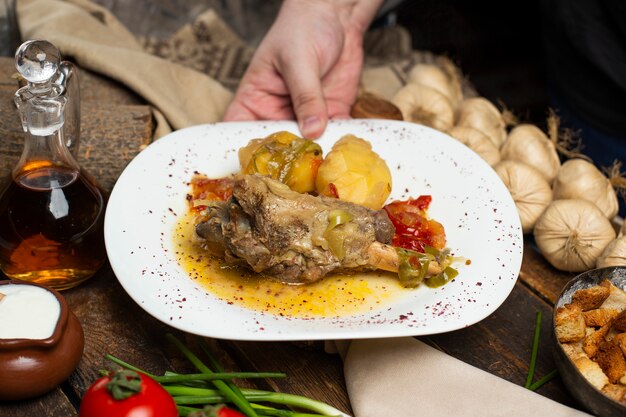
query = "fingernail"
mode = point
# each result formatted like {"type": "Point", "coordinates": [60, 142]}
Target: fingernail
{"type": "Point", "coordinates": [311, 127]}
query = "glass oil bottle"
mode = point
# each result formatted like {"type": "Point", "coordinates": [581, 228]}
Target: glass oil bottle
{"type": "Point", "coordinates": [51, 210]}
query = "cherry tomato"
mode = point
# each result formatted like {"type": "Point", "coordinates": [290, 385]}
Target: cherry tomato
{"type": "Point", "coordinates": [144, 397]}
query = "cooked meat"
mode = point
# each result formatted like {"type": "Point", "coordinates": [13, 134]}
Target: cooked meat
{"type": "Point", "coordinates": [296, 238]}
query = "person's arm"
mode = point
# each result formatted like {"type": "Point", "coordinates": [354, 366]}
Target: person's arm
{"type": "Point", "coordinates": [308, 65]}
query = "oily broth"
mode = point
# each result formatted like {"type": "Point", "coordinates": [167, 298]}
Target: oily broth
{"type": "Point", "coordinates": [336, 295]}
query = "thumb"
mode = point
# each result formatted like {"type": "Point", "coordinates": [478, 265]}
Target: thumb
{"type": "Point", "coordinates": [305, 89]}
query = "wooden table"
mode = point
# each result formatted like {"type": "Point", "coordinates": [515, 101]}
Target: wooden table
{"type": "Point", "coordinates": [115, 126]}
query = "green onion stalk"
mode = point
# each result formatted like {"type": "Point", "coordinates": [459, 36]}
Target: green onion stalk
{"type": "Point", "coordinates": [533, 386]}
{"type": "Point", "coordinates": [214, 386]}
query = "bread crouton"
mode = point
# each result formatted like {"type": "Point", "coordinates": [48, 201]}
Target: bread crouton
{"type": "Point", "coordinates": [611, 359]}
{"type": "Point", "coordinates": [592, 342]}
{"type": "Point", "coordinates": [592, 372]}
{"type": "Point", "coordinates": [590, 298]}
{"type": "Point", "coordinates": [615, 392]}
{"type": "Point", "coordinates": [599, 316]}
{"type": "Point", "coordinates": [573, 350]}
{"type": "Point", "coordinates": [620, 339]}
{"type": "Point", "coordinates": [570, 323]}
{"type": "Point", "coordinates": [619, 323]}
{"type": "Point", "coordinates": [612, 334]}
{"type": "Point", "coordinates": [616, 298]}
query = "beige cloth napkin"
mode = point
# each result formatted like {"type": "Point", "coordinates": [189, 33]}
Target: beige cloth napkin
{"type": "Point", "coordinates": [405, 377]}
{"type": "Point", "coordinates": [97, 41]}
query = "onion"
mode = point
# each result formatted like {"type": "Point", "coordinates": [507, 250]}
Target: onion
{"type": "Point", "coordinates": [614, 254]}
{"type": "Point", "coordinates": [578, 178]}
{"type": "Point", "coordinates": [382, 81]}
{"type": "Point", "coordinates": [480, 114]}
{"type": "Point", "coordinates": [527, 143]}
{"type": "Point", "coordinates": [530, 191]}
{"type": "Point", "coordinates": [478, 142]}
{"type": "Point", "coordinates": [421, 104]}
{"type": "Point", "coordinates": [571, 234]}
{"type": "Point", "coordinates": [434, 77]}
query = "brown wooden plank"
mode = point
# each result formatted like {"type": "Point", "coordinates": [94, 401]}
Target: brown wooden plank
{"type": "Point", "coordinates": [7, 70]}
{"type": "Point", "coordinates": [96, 89]}
{"type": "Point", "coordinates": [11, 135]}
{"type": "Point", "coordinates": [539, 275]}
{"type": "Point", "coordinates": [111, 137]}
{"type": "Point", "coordinates": [502, 343]}
{"type": "Point", "coordinates": [53, 404]}
{"type": "Point", "coordinates": [113, 324]}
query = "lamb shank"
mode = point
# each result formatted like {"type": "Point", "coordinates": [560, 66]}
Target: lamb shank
{"type": "Point", "coordinates": [293, 237]}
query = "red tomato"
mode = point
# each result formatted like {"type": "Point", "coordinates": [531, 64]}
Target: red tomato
{"type": "Point", "coordinates": [203, 188]}
{"type": "Point", "coordinates": [229, 412]}
{"type": "Point", "coordinates": [150, 400]}
{"type": "Point", "coordinates": [413, 228]}
{"type": "Point", "coordinates": [219, 410]}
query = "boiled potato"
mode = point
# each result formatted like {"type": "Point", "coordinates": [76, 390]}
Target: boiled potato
{"type": "Point", "coordinates": [285, 157]}
{"type": "Point", "coordinates": [353, 172]}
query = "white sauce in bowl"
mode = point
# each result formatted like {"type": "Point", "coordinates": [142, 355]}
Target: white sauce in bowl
{"type": "Point", "coordinates": [27, 312]}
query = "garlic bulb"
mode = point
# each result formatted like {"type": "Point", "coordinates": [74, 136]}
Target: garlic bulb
{"type": "Point", "coordinates": [614, 254]}
{"type": "Point", "coordinates": [481, 114]}
{"type": "Point", "coordinates": [578, 178]}
{"type": "Point", "coordinates": [382, 81]}
{"type": "Point", "coordinates": [529, 189]}
{"type": "Point", "coordinates": [434, 77]}
{"type": "Point", "coordinates": [478, 142]}
{"type": "Point", "coordinates": [527, 143]}
{"type": "Point", "coordinates": [421, 104]}
{"type": "Point", "coordinates": [571, 234]}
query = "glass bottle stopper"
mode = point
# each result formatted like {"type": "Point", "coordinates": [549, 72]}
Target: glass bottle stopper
{"type": "Point", "coordinates": [40, 102]}
{"type": "Point", "coordinates": [37, 61]}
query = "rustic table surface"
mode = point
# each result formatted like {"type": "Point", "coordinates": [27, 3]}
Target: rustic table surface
{"type": "Point", "coordinates": [116, 125]}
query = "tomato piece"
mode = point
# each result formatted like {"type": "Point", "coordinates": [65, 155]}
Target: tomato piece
{"type": "Point", "coordinates": [212, 188]}
{"type": "Point", "coordinates": [203, 188]}
{"type": "Point", "coordinates": [422, 202]}
{"type": "Point", "coordinates": [407, 242]}
{"type": "Point", "coordinates": [332, 191]}
{"type": "Point", "coordinates": [414, 230]}
{"type": "Point", "coordinates": [146, 397]}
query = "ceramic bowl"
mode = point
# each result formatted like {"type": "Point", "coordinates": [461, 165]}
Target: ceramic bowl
{"type": "Point", "coordinates": [587, 395]}
{"type": "Point", "coordinates": [31, 367]}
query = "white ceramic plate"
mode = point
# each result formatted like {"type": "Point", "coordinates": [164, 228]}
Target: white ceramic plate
{"type": "Point", "coordinates": [471, 202]}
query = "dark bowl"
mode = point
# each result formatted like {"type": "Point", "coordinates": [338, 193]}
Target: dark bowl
{"type": "Point", "coordinates": [589, 396]}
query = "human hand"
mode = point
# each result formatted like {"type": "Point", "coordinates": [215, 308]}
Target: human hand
{"type": "Point", "coordinates": [308, 65]}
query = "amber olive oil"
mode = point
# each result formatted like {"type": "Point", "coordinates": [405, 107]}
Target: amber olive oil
{"type": "Point", "coordinates": [51, 221]}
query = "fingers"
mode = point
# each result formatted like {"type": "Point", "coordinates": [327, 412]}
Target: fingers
{"type": "Point", "coordinates": [236, 111]}
{"type": "Point", "coordinates": [305, 87]}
